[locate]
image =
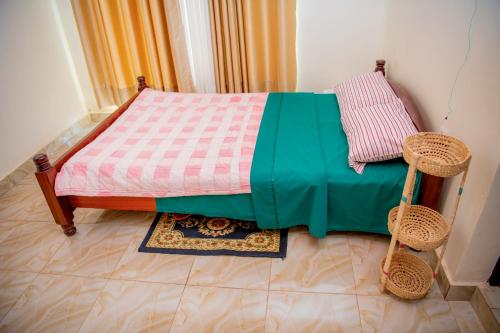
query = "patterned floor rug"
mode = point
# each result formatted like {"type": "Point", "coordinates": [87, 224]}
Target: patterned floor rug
{"type": "Point", "coordinates": [201, 235]}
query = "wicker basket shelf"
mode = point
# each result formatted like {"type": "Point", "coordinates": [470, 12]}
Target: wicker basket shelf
{"type": "Point", "coordinates": [439, 155]}
{"type": "Point", "coordinates": [422, 228]}
{"type": "Point", "coordinates": [419, 227]}
{"type": "Point", "coordinates": [409, 277]}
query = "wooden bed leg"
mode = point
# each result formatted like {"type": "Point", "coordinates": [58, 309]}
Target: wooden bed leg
{"type": "Point", "coordinates": [59, 206]}
{"type": "Point", "coordinates": [430, 191]}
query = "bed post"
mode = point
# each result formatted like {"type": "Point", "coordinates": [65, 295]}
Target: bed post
{"type": "Point", "coordinates": [141, 83]}
{"type": "Point", "coordinates": [59, 206]}
{"type": "Point", "coordinates": [380, 66]}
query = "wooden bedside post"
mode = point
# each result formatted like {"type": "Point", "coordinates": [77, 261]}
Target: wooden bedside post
{"type": "Point", "coordinates": [141, 83]}
{"type": "Point", "coordinates": [380, 66]}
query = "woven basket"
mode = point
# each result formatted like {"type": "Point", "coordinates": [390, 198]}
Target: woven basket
{"type": "Point", "coordinates": [440, 155]}
{"type": "Point", "coordinates": [422, 228]}
{"type": "Point", "coordinates": [409, 277]}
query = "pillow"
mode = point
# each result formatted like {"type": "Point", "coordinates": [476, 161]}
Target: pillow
{"type": "Point", "coordinates": [376, 133]}
{"type": "Point", "coordinates": [363, 91]}
{"type": "Point", "coordinates": [410, 106]}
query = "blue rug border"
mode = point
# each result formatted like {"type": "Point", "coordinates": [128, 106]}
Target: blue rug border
{"type": "Point", "coordinates": [281, 254]}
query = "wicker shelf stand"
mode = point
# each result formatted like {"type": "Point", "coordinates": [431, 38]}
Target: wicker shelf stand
{"type": "Point", "coordinates": [419, 227]}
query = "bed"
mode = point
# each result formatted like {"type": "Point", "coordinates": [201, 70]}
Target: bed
{"type": "Point", "coordinates": [287, 164]}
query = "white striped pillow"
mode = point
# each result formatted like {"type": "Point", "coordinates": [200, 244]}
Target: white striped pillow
{"type": "Point", "coordinates": [376, 133]}
{"type": "Point", "coordinates": [363, 91]}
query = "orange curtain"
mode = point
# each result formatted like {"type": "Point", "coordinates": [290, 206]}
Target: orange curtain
{"type": "Point", "coordinates": [123, 39]}
{"type": "Point", "coordinates": [253, 42]}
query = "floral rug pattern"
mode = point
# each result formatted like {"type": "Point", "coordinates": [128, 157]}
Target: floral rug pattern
{"type": "Point", "coordinates": [201, 235]}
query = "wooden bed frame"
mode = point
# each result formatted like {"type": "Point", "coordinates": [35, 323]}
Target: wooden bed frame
{"type": "Point", "coordinates": [62, 207]}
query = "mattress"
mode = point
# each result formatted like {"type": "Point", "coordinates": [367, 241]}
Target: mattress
{"type": "Point", "coordinates": [170, 145]}
{"type": "Point", "coordinates": [351, 202]}
{"type": "Point", "coordinates": [279, 159]}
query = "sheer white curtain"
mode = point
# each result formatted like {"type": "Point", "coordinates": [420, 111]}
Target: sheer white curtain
{"type": "Point", "coordinates": [196, 19]}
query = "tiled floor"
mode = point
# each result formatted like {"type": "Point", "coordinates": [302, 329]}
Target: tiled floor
{"type": "Point", "coordinates": [489, 307]}
{"type": "Point", "coordinates": [96, 281]}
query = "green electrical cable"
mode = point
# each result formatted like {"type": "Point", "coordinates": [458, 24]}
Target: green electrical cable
{"type": "Point", "coordinates": [466, 58]}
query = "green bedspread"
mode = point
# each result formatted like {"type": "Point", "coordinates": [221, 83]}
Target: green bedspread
{"type": "Point", "coordinates": [300, 175]}
{"type": "Point", "coordinates": [357, 202]}
{"type": "Point", "coordinates": [288, 177]}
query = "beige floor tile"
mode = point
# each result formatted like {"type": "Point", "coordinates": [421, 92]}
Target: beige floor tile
{"type": "Point", "coordinates": [30, 179]}
{"type": "Point", "coordinates": [320, 265]}
{"type": "Point", "coordinates": [57, 149]}
{"type": "Point", "coordinates": [12, 286]}
{"type": "Point", "coordinates": [211, 309]}
{"type": "Point", "coordinates": [496, 313]}
{"type": "Point", "coordinates": [128, 306]}
{"type": "Point", "coordinates": [367, 251]}
{"type": "Point", "coordinates": [389, 314]}
{"type": "Point", "coordinates": [466, 317]}
{"type": "Point", "coordinates": [23, 172]}
{"type": "Point", "coordinates": [492, 296]}
{"type": "Point", "coordinates": [24, 202]}
{"type": "Point", "coordinates": [53, 304]}
{"type": "Point", "coordinates": [82, 214]}
{"type": "Point", "coordinates": [29, 246]}
{"type": "Point", "coordinates": [7, 227]}
{"type": "Point", "coordinates": [228, 271]}
{"type": "Point", "coordinates": [152, 267]}
{"type": "Point", "coordinates": [94, 251]}
{"type": "Point", "coordinates": [308, 312]}
{"type": "Point", "coordinates": [89, 215]}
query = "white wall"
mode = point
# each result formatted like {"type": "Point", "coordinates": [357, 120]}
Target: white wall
{"type": "Point", "coordinates": [426, 41]}
{"type": "Point", "coordinates": [38, 92]}
{"type": "Point", "coordinates": [70, 39]}
{"type": "Point", "coordinates": [337, 39]}
{"type": "Point", "coordinates": [484, 246]}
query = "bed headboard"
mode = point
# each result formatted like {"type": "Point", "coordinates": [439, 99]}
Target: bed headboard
{"type": "Point", "coordinates": [431, 186]}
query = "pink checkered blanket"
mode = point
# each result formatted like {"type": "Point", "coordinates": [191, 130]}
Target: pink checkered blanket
{"type": "Point", "coordinates": [170, 144]}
